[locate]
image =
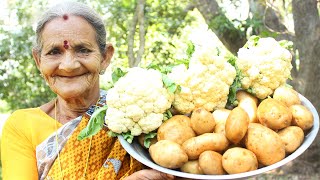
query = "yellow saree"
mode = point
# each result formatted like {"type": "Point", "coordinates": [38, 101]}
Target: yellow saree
{"type": "Point", "coordinates": [98, 157]}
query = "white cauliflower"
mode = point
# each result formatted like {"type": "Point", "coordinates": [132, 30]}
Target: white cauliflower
{"type": "Point", "coordinates": [137, 102]}
{"type": "Point", "coordinates": [264, 64]}
{"type": "Point", "coordinates": [205, 83]}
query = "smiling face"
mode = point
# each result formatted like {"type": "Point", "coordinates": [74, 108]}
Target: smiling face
{"type": "Point", "coordinates": [70, 59]}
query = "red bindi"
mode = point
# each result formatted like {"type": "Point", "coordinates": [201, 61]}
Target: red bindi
{"type": "Point", "coordinates": [65, 44]}
{"type": "Point", "coordinates": [65, 17]}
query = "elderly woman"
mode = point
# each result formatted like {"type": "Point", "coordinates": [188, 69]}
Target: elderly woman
{"type": "Point", "coordinates": [41, 143]}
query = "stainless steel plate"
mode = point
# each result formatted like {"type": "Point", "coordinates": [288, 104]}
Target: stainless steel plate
{"type": "Point", "coordinates": [142, 155]}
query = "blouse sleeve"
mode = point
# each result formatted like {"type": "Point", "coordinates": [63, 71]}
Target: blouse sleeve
{"type": "Point", "coordinates": [17, 153]}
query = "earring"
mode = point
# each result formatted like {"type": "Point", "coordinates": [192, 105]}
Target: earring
{"type": "Point", "coordinates": [102, 72]}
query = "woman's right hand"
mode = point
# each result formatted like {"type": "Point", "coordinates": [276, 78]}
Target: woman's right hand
{"type": "Point", "coordinates": [149, 174]}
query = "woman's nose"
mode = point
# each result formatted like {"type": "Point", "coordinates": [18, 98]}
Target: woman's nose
{"type": "Point", "coordinates": [69, 63]}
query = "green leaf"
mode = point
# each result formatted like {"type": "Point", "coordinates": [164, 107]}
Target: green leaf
{"type": "Point", "coordinates": [95, 123]}
{"type": "Point", "coordinates": [288, 85]}
{"type": "Point", "coordinates": [218, 51]}
{"type": "Point", "coordinates": [190, 50]}
{"type": "Point", "coordinates": [250, 90]}
{"type": "Point", "coordinates": [232, 99]}
{"type": "Point", "coordinates": [252, 41]}
{"type": "Point", "coordinates": [170, 84]}
{"type": "Point", "coordinates": [128, 136]}
{"type": "Point", "coordinates": [172, 88]}
{"type": "Point", "coordinates": [286, 44]}
{"type": "Point", "coordinates": [117, 74]}
{"type": "Point", "coordinates": [147, 139]}
{"type": "Point", "coordinates": [167, 115]}
{"type": "Point", "coordinates": [112, 134]}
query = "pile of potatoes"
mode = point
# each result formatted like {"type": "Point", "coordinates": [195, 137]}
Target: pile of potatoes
{"type": "Point", "coordinates": [254, 134]}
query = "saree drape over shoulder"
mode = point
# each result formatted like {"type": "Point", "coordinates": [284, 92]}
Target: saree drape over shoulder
{"type": "Point", "coordinates": [99, 157]}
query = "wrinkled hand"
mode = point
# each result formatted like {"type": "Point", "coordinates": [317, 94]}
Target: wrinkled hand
{"type": "Point", "coordinates": [149, 174]}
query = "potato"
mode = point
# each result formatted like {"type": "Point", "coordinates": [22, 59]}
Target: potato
{"type": "Point", "coordinates": [192, 167]}
{"type": "Point", "coordinates": [236, 125]}
{"type": "Point", "coordinates": [274, 114]}
{"type": "Point", "coordinates": [208, 141]}
{"type": "Point", "coordinates": [249, 104]}
{"type": "Point", "coordinates": [286, 95]}
{"type": "Point", "coordinates": [292, 137]}
{"type": "Point", "coordinates": [238, 160]}
{"type": "Point", "coordinates": [168, 154]}
{"type": "Point", "coordinates": [264, 143]}
{"type": "Point", "coordinates": [211, 163]}
{"type": "Point", "coordinates": [202, 121]}
{"type": "Point", "coordinates": [176, 129]}
{"type": "Point", "coordinates": [181, 119]}
{"type": "Point", "coordinates": [220, 117]}
{"type": "Point", "coordinates": [301, 117]}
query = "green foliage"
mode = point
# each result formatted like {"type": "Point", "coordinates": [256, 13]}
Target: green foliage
{"type": "Point", "coordinates": [232, 99]}
{"type": "Point", "coordinates": [95, 123]}
{"type": "Point", "coordinates": [252, 42]}
{"type": "Point", "coordinates": [165, 21]}
{"type": "Point", "coordinates": [126, 135]}
{"type": "Point", "coordinates": [171, 86]}
{"type": "Point", "coordinates": [166, 68]}
{"type": "Point", "coordinates": [147, 139]}
{"type": "Point", "coordinates": [287, 44]}
{"type": "Point", "coordinates": [22, 86]}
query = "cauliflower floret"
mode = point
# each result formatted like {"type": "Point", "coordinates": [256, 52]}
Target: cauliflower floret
{"type": "Point", "coordinates": [265, 65]}
{"type": "Point", "coordinates": [137, 102]}
{"type": "Point", "coordinates": [205, 83]}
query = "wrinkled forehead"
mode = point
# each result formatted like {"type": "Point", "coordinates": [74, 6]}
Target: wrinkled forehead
{"type": "Point", "coordinates": [74, 28]}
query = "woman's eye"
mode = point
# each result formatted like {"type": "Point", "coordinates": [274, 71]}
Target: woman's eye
{"type": "Point", "coordinates": [54, 52]}
{"type": "Point", "coordinates": [84, 50]}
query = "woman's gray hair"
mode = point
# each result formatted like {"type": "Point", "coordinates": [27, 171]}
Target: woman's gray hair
{"type": "Point", "coordinates": [76, 9]}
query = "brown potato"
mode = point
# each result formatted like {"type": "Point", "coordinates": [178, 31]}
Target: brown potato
{"type": "Point", "coordinates": [181, 119]}
{"type": "Point", "coordinates": [292, 137]}
{"type": "Point", "coordinates": [274, 114]}
{"type": "Point", "coordinates": [220, 116]}
{"type": "Point", "coordinates": [176, 129]}
{"type": "Point", "coordinates": [237, 125]}
{"type": "Point", "coordinates": [211, 163]}
{"type": "Point", "coordinates": [168, 154]}
{"type": "Point", "coordinates": [202, 121]}
{"type": "Point", "coordinates": [301, 117]}
{"type": "Point", "coordinates": [286, 95]}
{"type": "Point", "coordinates": [265, 144]}
{"type": "Point", "coordinates": [192, 167]}
{"type": "Point", "coordinates": [238, 160]}
{"type": "Point", "coordinates": [249, 104]}
{"type": "Point", "coordinates": [208, 141]}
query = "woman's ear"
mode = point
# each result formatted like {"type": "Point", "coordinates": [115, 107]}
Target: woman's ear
{"type": "Point", "coordinates": [36, 57]}
{"type": "Point", "coordinates": [107, 56]}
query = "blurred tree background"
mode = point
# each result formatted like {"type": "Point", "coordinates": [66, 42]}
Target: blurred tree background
{"type": "Point", "coordinates": [145, 31]}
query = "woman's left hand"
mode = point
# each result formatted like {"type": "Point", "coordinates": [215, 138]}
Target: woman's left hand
{"type": "Point", "coordinates": [149, 174]}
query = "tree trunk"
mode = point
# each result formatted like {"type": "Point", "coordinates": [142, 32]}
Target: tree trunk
{"type": "Point", "coordinates": [231, 37]}
{"type": "Point", "coordinates": [307, 30]}
{"type": "Point", "coordinates": [271, 18]}
{"type": "Point", "coordinates": [137, 17]}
